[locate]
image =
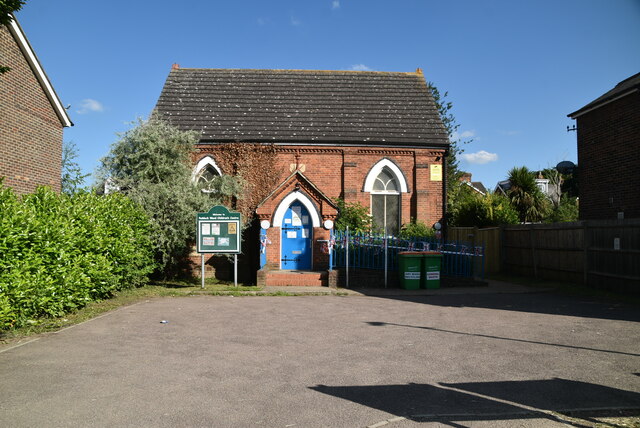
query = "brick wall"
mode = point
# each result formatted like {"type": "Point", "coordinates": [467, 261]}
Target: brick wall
{"type": "Point", "coordinates": [341, 172]}
{"type": "Point", "coordinates": [30, 131]}
{"type": "Point", "coordinates": [609, 160]}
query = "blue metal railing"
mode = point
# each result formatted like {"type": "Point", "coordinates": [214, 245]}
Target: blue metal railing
{"type": "Point", "coordinates": [368, 251]}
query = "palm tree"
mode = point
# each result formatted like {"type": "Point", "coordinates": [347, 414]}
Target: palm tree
{"type": "Point", "coordinates": [525, 195]}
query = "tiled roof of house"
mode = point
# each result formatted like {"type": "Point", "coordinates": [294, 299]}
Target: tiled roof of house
{"type": "Point", "coordinates": [302, 106]}
{"type": "Point", "coordinates": [630, 84]}
{"type": "Point", "coordinates": [479, 186]}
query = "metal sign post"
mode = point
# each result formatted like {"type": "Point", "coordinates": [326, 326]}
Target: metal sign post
{"type": "Point", "coordinates": [218, 231]}
{"type": "Point", "coordinates": [235, 270]}
{"type": "Point", "coordinates": [202, 264]}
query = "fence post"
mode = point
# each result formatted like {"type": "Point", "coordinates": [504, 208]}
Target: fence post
{"type": "Point", "coordinates": [347, 255]}
{"type": "Point", "coordinates": [585, 258]}
{"type": "Point", "coordinates": [533, 252]}
{"type": "Point", "coordinates": [386, 259]}
{"type": "Point", "coordinates": [330, 247]}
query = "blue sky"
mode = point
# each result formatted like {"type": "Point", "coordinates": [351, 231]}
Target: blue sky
{"type": "Point", "coordinates": [513, 69]}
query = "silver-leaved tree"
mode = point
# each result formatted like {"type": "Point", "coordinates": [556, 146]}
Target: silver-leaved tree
{"type": "Point", "coordinates": [151, 164]}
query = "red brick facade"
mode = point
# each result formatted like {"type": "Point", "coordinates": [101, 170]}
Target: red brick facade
{"type": "Point", "coordinates": [30, 129]}
{"type": "Point", "coordinates": [609, 159]}
{"type": "Point", "coordinates": [323, 173]}
{"type": "Point", "coordinates": [375, 138]}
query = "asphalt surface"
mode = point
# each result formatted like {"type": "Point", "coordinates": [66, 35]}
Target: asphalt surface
{"type": "Point", "coordinates": [465, 360]}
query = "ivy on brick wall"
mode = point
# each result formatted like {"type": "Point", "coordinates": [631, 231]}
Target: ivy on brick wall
{"type": "Point", "coordinates": [255, 165]}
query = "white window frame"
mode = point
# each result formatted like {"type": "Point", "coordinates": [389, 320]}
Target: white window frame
{"type": "Point", "coordinates": [401, 183]}
{"type": "Point", "coordinates": [377, 169]}
{"type": "Point", "coordinates": [201, 165]}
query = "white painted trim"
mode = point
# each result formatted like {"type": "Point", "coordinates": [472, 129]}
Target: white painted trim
{"type": "Point", "coordinates": [31, 58]}
{"type": "Point", "coordinates": [288, 200]}
{"type": "Point", "coordinates": [377, 168]}
{"type": "Point", "coordinates": [202, 163]}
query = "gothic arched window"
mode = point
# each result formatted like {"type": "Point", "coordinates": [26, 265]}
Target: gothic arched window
{"type": "Point", "coordinates": [385, 202]}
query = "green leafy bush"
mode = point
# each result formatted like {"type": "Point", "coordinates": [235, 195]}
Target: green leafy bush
{"type": "Point", "coordinates": [59, 252]}
{"type": "Point", "coordinates": [354, 215]}
{"type": "Point", "coordinates": [416, 229]}
{"type": "Point", "coordinates": [566, 211]}
{"type": "Point", "coordinates": [484, 211]}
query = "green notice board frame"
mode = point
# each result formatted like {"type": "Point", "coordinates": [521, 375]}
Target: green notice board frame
{"type": "Point", "coordinates": [218, 231]}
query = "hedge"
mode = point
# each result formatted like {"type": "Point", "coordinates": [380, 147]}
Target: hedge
{"type": "Point", "coordinates": [59, 252]}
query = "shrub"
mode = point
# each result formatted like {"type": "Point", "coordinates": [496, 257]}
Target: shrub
{"type": "Point", "coordinates": [354, 215]}
{"type": "Point", "coordinates": [416, 229]}
{"type": "Point", "coordinates": [566, 211]}
{"type": "Point", "coordinates": [484, 211]}
{"type": "Point", "coordinates": [59, 252]}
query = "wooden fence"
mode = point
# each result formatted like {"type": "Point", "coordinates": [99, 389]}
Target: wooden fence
{"type": "Point", "coordinates": [602, 254]}
{"type": "Point", "coordinates": [487, 238]}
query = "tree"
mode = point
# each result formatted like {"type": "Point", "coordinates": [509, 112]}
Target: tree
{"type": "Point", "coordinates": [486, 210]}
{"type": "Point", "coordinates": [72, 176]}
{"type": "Point", "coordinates": [563, 193]}
{"type": "Point", "coordinates": [565, 211]}
{"type": "Point", "coordinates": [454, 173]}
{"type": "Point", "coordinates": [151, 164]}
{"type": "Point", "coordinates": [525, 195]}
{"type": "Point", "coordinates": [7, 7]}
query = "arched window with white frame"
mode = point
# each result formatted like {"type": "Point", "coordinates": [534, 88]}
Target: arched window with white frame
{"type": "Point", "coordinates": [205, 172]}
{"type": "Point", "coordinates": [386, 183]}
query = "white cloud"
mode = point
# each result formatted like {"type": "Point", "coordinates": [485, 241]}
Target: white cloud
{"type": "Point", "coordinates": [335, 4]}
{"type": "Point", "coordinates": [295, 21]}
{"type": "Point", "coordinates": [480, 157]}
{"type": "Point", "coordinates": [464, 135]}
{"type": "Point", "coordinates": [360, 67]}
{"type": "Point", "coordinates": [90, 106]}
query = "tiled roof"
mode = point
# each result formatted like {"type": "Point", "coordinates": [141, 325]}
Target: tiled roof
{"type": "Point", "coordinates": [625, 87]}
{"type": "Point", "coordinates": [479, 186]}
{"type": "Point", "coordinates": [302, 106]}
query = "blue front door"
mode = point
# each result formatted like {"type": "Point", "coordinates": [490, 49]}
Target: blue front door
{"type": "Point", "coordinates": [296, 238]}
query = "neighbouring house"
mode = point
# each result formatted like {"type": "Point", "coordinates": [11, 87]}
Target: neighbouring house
{"type": "Point", "coordinates": [475, 186]}
{"type": "Point", "coordinates": [546, 186]}
{"type": "Point", "coordinates": [609, 153]}
{"type": "Point", "coordinates": [375, 138]}
{"type": "Point", "coordinates": [32, 117]}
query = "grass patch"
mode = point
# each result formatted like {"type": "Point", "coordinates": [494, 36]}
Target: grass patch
{"type": "Point", "coordinates": [173, 288]}
{"type": "Point", "coordinates": [124, 298]}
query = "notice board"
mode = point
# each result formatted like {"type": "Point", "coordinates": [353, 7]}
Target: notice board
{"type": "Point", "coordinates": [218, 231]}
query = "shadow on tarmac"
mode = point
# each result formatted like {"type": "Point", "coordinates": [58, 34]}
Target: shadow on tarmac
{"type": "Point", "coordinates": [382, 324]}
{"type": "Point", "coordinates": [543, 303]}
{"type": "Point", "coordinates": [489, 401]}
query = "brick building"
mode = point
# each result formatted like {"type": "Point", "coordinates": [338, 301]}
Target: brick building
{"type": "Point", "coordinates": [609, 153]}
{"type": "Point", "coordinates": [32, 117]}
{"type": "Point", "coordinates": [370, 137]}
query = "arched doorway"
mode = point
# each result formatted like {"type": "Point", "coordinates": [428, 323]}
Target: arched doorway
{"type": "Point", "coordinates": [296, 238]}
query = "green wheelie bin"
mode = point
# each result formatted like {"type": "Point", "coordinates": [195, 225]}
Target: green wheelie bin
{"type": "Point", "coordinates": [431, 264]}
{"type": "Point", "coordinates": [410, 269]}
